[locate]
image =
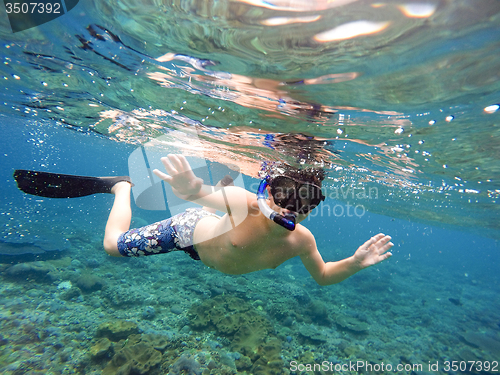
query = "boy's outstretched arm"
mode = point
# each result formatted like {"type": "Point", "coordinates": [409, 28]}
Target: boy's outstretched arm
{"type": "Point", "coordinates": [186, 185]}
{"type": "Point", "coordinates": [373, 251]}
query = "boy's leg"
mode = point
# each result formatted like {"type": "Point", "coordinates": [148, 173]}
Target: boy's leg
{"type": "Point", "coordinates": [119, 218]}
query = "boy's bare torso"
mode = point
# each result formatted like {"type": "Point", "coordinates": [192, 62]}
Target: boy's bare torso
{"type": "Point", "coordinates": [255, 244]}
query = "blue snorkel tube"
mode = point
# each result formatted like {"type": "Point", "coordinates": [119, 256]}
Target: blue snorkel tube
{"type": "Point", "coordinates": [285, 222]}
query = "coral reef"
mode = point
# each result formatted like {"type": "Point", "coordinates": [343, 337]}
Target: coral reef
{"type": "Point", "coordinates": [249, 331]}
{"type": "Point", "coordinates": [133, 359]}
{"type": "Point", "coordinates": [78, 315]}
{"type": "Point", "coordinates": [132, 354]}
{"type": "Point", "coordinates": [234, 318]}
{"type": "Point", "coordinates": [185, 365]}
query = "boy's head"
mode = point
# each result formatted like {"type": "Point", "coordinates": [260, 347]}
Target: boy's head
{"type": "Point", "coordinates": [314, 176]}
{"type": "Point", "coordinates": [309, 174]}
{"type": "Point", "coordinates": [296, 190]}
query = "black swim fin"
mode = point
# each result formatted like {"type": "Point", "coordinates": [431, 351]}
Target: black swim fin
{"type": "Point", "coordinates": [56, 185]}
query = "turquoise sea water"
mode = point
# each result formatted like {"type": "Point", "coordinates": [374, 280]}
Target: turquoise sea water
{"type": "Point", "coordinates": [397, 101]}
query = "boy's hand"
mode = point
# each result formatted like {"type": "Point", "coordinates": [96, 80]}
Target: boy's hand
{"type": "Point", "coordinates": [373, 251]}
{"type": "Point", "coordinates": [180, 176]}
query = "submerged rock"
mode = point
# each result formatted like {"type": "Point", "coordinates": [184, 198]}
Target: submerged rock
{"type": "Point", "coordinates": [36, 241]}
{"type": "Point", "coordinates": [352, 324]}
{"type": "Point", "coordinates": [483, 341]}
{"type": "Point", "coordinates": [120, 297]}
{"type": "Point", "coordinates": [311, 332]}
{"type": "Point", "coordinates": [117, 330]}
{"type": "Point", "coordinates": [89, 283]}
{"type": "Point", "coordinates": [35, 271]}
{"type": "Point", "coordinates": [70, 294]}
{"type": "Point", "coordinates": [318, 312]}
{"type": "Point", "coordinates": [101, 348]}
{"type": "Point", "coordinates": [148, 313]}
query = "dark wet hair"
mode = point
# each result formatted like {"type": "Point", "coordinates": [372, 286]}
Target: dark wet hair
{"type": "Point", "coordinates": [311, 175]}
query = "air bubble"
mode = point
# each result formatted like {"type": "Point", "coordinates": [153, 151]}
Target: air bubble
{"type": "Point", "coordinates": [492, 108]}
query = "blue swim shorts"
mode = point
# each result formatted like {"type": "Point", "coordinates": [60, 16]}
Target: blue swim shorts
{"type": "Point", "coordinates": [173, 234]}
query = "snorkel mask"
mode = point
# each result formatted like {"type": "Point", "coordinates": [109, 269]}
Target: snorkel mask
{"type": "Point", "coordinates": [292, 194]}
{"type": "Point", "coordinates": [287, 221]}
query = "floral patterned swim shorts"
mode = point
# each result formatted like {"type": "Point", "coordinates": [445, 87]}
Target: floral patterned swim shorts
{"type": "Point", "coordinates": [175, 233]}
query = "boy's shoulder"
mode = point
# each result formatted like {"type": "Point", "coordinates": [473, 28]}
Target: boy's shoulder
{"type": "Point", "coordinates": [304, 232]}
{"type": "Point", "coordinates": [303, 239]}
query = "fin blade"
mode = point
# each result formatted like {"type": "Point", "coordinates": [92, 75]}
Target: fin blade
{"type": "Point", "coordinates": [56, 185]}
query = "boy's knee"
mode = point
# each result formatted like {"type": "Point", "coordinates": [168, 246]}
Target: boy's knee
{"type": "Point", "coordinates": [111, 247]}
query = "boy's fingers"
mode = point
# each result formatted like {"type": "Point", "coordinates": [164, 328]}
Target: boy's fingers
{"type": "Point", "coordinates": [178, 164]}
{"type": "Point", "coordinates": [185, 163]}
{"type": "Point", "coordinates": [162, 175]}
{"type": "Point", "coordinates": [373, 240]}
{"type": "Point", "coordinates": [383, 239]}
{"type": "Point", "coordinates": [175, 162]}
{"type": "Point", "coordinates": [386, 247]}
{"type": "Point", "coordinates": [168, 165]}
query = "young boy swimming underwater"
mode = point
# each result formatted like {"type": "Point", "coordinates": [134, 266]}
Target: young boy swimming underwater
{"type": "Point", "coordinates": [255, 243]}
{"type": "Point", "coordinates": [255, 233]}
